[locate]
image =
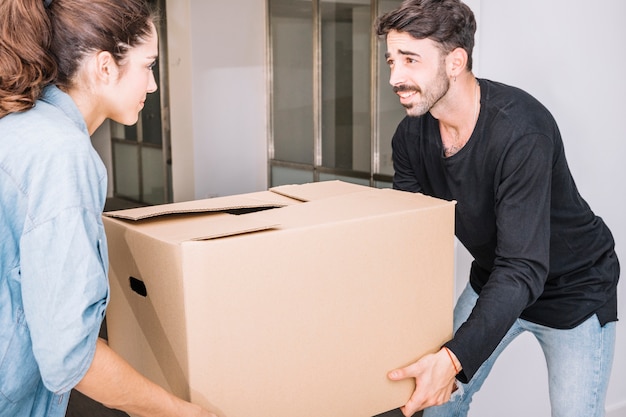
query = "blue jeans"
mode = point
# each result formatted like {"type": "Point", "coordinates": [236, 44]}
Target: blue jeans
{"type": "Point", "coordinates": [579, 364]}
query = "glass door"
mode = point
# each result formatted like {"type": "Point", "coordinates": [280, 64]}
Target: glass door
{"type": "Point", "coordinates": [331, 107]}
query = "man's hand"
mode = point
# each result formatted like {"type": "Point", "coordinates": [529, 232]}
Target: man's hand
{"type": "Point", "coordinates": [434, 380]}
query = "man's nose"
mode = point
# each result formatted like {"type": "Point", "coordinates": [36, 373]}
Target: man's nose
{"type": "Point", "coordinates": [396, 75]}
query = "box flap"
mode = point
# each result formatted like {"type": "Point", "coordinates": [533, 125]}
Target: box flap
{"type": "Point", "coordinates": [203, 219]}
{"type": "Point", "coordinates": [250, 202]}
{"type": "Point", "coordinates": [366, 202]}
{"type": "Point", "coordinates": [228, 225]}
{"type": "Point", "coordinates": [195, 226]}
{"type": "Point", "coordinates": [317, 190]}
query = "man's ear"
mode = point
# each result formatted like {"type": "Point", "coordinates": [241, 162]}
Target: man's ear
{"type": "Point", "coordinates": [106, 69]}
{"type": "Point", "coordinates": [456, 62]}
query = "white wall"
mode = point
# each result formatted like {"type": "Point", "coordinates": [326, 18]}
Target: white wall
{"type": "Point", "coordinates": [568, 54]}
{"type": "Point", "coordinates": [229, 96]}
{"type": "Point", "coordinates": [218, 97]}
{"type": "Point", "coordinates": [181, 106]}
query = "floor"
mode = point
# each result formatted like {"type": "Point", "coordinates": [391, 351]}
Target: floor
{"type": "Point", "coordinates": [82, 406]}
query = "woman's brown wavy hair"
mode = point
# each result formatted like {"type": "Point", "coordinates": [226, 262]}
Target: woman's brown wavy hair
{"type": "Point", "coordinates": [39, 46]}
{"type": "Point", "coordinates": [26, 64]}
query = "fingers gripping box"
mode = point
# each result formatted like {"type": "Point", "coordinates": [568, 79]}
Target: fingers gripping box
{"type": "Point", "coordinates": [295, 301]}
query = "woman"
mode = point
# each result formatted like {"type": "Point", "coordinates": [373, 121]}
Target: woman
{"type": "Point", "coordinates": [65, 67]}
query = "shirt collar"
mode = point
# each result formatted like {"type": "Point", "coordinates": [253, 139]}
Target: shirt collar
{"type": "Point", "coordinates": [61, 100]}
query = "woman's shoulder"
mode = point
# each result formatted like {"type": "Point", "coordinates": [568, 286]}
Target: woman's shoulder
{"type": "Point", "coordinates": [45, 127]}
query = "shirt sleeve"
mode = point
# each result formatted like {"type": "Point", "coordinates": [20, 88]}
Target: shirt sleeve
{"type": "Point", "coordinates": [521, 263]}
{"type": "Point", "coordinates": [64, 258]}
{"type": "Point", "coordinates": [65, 292]}
{"type": "Point", "coordinates": [404, 177]}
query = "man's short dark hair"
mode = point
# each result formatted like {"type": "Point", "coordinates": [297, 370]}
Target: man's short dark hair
{"type": "Point", "coordinates": [450, 23]}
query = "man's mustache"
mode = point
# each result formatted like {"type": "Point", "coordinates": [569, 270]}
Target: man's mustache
{"type": "Point", "coordinates": [405, 87]}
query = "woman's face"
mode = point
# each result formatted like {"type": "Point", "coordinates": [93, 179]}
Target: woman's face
{"type": "Point", "coordinates": [135, 81]}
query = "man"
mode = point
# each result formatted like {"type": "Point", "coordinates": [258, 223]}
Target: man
{"type": "Point", "coordinates": [543, 262]}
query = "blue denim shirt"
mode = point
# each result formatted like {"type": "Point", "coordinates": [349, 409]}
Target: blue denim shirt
{"type": "Point", "coordinates": [53, 255]}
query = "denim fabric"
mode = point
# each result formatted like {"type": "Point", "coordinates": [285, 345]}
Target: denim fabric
{"type": "Point", "coordinates": [53, 255]}
{"type": "Point", "coordinates": [579, 364]}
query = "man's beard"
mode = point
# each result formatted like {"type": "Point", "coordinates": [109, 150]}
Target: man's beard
{"type": "Point", "coordinates": [429, 98]}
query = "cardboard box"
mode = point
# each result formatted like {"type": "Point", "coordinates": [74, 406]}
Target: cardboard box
{"type": "Point", "coordinates": [295, 301]}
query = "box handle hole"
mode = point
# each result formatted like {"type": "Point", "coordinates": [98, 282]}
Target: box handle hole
{"type": "Point", "coordinates": [138, 286]}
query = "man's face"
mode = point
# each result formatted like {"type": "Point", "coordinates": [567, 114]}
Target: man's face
{"type": "Point", "coordinates": [418, 74]}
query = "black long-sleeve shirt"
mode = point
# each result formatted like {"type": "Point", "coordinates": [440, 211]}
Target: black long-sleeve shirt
{"type": "Point", "coordinates": [540, 253]}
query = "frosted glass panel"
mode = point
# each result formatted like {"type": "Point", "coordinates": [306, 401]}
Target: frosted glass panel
{"type": "Point", "coordinates": [153, 175]}
{"type": "Point", "coordinates": [331, 177]}
{"type": "Point", "coordinates": [285, 176]}
{"type": "Point", "coordinates": [291, 30]}
{"type": "Point", "coordinates": [333, 42]}
{"type": "Point", "coordinates": [120, 131]}
{"type": "Point", "coordinates": [390, 111]}
{"type": "Point", "coordinates": [346, 80]}
{"type": "Point", "coordinates": [126, 173]}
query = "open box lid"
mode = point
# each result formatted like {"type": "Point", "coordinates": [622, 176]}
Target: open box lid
{"type": "Point", "coordinates": [218, 217]}
{"type": "Point", "coordinates": [277, 197]}
{"type": "Point", "coordinates": [318, 190]}
{"type": "Point", "coordinates": [210, 205]}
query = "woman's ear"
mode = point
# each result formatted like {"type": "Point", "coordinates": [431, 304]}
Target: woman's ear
{"type": "Point", "coordinates": [106, 69]}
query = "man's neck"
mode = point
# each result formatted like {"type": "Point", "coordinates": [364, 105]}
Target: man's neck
{"type": "Point", "coordinates": [458, 113]}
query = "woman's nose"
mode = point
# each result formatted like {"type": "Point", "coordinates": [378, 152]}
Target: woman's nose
{"type": "Point", "coordinates": [152, 85]}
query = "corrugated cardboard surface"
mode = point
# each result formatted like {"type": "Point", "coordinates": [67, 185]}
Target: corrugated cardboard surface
{"type": "Point", "coordinates": [304, 318]}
